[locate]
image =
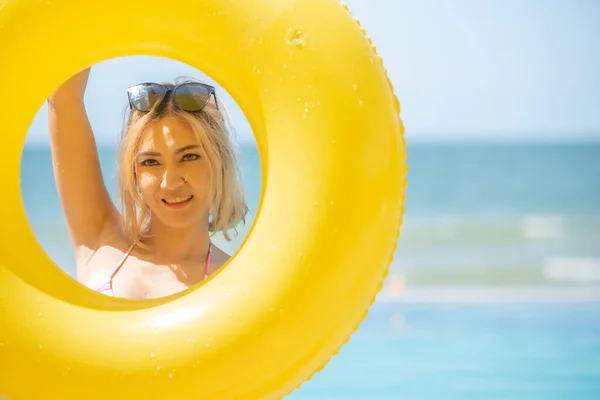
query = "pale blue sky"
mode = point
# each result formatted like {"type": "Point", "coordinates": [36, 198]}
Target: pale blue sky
{"type": "Point", "coordinates": [474, 69]}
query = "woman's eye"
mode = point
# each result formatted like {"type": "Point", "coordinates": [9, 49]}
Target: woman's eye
{"type": "Point", "coordinates": [149, 163]}
{"type": "Point", "coordinates": [191, 157]}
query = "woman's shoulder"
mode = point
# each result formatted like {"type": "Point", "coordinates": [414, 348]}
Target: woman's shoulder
{"type": "Point", "coordinates": [218, 258]}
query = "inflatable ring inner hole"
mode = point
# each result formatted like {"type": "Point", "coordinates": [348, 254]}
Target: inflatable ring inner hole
{"type": "Point", "coordinates": [107, 108]}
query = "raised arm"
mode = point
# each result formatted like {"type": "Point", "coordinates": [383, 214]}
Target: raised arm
{"type": "Point", "coordinates": [87, 205]}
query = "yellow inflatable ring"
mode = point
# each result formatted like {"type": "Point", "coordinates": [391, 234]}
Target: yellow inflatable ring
{"type": "Point", "coordinates": [333, 159]}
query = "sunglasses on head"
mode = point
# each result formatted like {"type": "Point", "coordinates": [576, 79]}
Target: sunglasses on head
{"type": "Point", "coordinates": [192, 96]}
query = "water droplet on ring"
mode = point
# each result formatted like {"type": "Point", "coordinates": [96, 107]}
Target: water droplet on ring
{"type": "Point", "coordinates": [295, 38]}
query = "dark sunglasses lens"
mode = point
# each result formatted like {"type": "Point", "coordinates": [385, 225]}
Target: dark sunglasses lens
{"type": "Point", "coordinates": [144, 97]}
{"type": "Point", "coordinates": [192, 96]}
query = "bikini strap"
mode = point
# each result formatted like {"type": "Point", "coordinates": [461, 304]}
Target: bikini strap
{"type": "Point", "coordinates": [206, 267]}
{"type": "Point", "coordinates": [121, 262]}
{"type": "Point", "coordinates": [108, 285]}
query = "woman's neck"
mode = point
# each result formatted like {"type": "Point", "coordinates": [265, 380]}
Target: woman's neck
{"type": "Point", "coordinates": [172, 246]}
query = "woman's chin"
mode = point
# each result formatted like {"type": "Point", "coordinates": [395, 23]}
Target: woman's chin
{"type": "Point", "coordinates": [181, 217]}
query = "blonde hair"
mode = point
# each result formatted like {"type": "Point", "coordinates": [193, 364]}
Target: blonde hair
{"type": "Point", "coordinates": [214, 132]}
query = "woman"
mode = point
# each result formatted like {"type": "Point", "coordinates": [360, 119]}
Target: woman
{"type": "Point", "coordinates": [179, 184]}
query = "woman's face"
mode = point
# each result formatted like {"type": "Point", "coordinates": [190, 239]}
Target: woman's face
{"type": "Point", "coordinates": [173, 178]}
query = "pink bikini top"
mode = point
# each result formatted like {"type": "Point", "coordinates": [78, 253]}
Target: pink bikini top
{"type": "Point", "coordinates": [107, 288]}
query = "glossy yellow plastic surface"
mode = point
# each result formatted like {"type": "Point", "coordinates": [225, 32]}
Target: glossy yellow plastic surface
{"type": "Point", "coordinates": [333, 159]}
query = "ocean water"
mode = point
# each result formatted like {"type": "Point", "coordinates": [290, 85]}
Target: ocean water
{"type": "Point", "coordinates": [481, 215]}
{"type": "Point", "coordinates": [509, 214]}
{"type": "Point", "coordinates": [463, 352]}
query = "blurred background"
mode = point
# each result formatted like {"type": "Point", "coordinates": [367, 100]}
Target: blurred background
{"type": "Point", "coordinates": [494, 291]}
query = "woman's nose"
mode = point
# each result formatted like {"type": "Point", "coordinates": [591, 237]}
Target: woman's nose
{"type": "Point", "coordinates": [172, 178]}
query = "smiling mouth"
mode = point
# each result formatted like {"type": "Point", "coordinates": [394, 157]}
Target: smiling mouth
{"type": "Point", "coordinates": [178, 201]}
